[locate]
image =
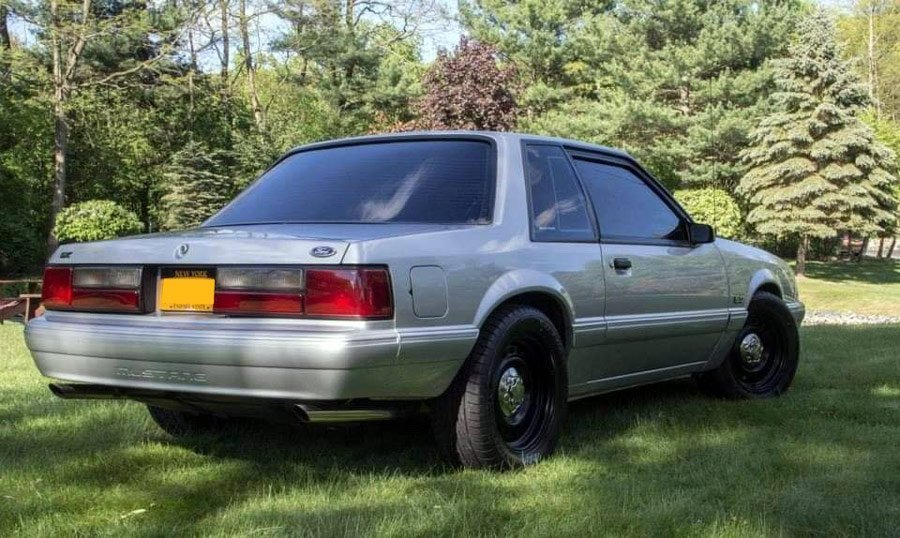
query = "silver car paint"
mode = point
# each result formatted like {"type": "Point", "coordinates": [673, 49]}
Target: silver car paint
{"type": "Point", "coordinates": [675, 312]}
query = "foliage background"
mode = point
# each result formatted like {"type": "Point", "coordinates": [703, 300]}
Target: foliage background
{"type": "Point", "coordinates": [173, 107]}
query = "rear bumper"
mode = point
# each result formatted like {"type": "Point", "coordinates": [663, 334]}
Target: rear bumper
{"type": "Point", "coordinates": [238, 358]}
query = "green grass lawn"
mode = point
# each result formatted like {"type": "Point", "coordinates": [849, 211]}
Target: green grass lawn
{"type": "Point", "coordinates": [870, 287]}
{"type": "Point", "coordinates": [825, 459]}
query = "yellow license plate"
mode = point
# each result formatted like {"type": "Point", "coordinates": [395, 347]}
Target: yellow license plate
{"type": "Point", "coordinates": [187, 291]}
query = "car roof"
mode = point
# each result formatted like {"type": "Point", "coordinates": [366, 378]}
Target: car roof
{"type": "Point", "coordinates": [495, 135]}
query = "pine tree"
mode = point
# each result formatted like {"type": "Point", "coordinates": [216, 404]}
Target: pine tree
{"type": "Point", "coordinates": [815, 167]}
{"type": "Point", "coordinates": [196, 187]}
{"type": "Point", "coordinates": [679, 84]}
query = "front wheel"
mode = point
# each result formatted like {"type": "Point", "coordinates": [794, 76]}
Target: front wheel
{"type": "Point", "coordinates": [764, 357]}
{"type": "Point", "coordinates": [506, 407]}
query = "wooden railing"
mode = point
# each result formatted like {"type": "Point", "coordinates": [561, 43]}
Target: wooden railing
{"type": "Point", "coordinates": [22, 304]}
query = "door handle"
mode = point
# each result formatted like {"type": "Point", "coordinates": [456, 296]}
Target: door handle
{"type": "Point", "coordinates": [620, 264]}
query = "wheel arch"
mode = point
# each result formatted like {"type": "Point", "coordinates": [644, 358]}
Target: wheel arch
{"type": "Point", "coordinates": [535, 289]}
{"type": "Point", "coordinates": [763, 280]}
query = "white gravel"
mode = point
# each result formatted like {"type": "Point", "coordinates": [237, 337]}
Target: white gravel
{"type": "Point", "coordinates": [828, 317]}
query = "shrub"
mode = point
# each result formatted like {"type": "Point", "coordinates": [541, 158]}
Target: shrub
{"type": "Point", "coordinates": [95, 220]}
{"type": "Point", "coordinates": [715, 207]}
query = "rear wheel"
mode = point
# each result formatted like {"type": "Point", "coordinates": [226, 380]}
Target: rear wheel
{"type": "Point", "coordinates": [181, 423]}
{"type": "Point", "coordinates": [764, 357]}
{"type": "Point", "coordinates": [506, 406]}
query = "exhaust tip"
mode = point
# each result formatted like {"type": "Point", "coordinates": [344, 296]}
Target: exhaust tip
{"type": "Point", "coordinates": [302, 414]}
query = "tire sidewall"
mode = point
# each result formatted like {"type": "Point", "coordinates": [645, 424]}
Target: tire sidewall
{"type": "Point", "coordinates": [773, 308]}
{"type": "Point", "coordinates": [522, 321]}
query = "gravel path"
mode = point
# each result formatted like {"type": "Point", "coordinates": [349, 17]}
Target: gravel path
{"type": "Point", "coordinates": [828, 317]}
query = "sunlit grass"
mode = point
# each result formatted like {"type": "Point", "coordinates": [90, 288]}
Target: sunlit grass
{"type": "Point", "coordinates": [660, 460]}
{"type": "Point", "coordinates": [871, 287]}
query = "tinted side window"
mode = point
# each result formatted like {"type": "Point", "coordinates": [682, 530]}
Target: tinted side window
{"type": "Point", "coordinates": [558, 208]}
{"type": "Point", "coordinates": [626, 207]}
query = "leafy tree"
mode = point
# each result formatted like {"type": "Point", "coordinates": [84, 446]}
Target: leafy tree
{"type": "Point", "coordinates": [85, 41]}
{"type": "Point", "coordinates": [95, 220]}
{"type": "Point", "coordinates": [815, 166]}
{"type": "Point", "coordinates": [679, 84]}
{"type": "Point", "coordinates": [467, 89]}
{"type": "Point", "coordinates": [871, 32]}
{"type": "Point", "coordinates": [196, 187]}
{"type": "Point", "coordinates": [714, 207]}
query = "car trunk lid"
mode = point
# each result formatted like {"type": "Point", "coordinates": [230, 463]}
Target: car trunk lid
{"type": "Point", "coordinates": [211, 246]}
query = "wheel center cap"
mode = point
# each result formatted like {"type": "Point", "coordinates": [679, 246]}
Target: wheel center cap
{"type": "Point", "coordinates": [510, 392]}
{"type": "Point", "coordinates": [751, 349]}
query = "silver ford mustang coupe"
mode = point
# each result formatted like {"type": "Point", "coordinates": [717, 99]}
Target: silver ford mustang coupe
{"type": "Point", "coordinates": [484, 278]}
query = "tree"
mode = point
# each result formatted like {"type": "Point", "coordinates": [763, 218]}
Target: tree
{"type": "Point", "coordinates": [714, 207]}
{"type": "Point", "coordinates": [468, 89]}
{"type": "Point", "coordinates": [815, 167]}
{"type": "Point", "coordinates": [871, 32]}
{"type": "Point", "coordinates": [69, 30]}
{"type": "Point", "coordinates": [95, 220]}
{"type": "Point", "coordinates": [678, 84]}
{"type": "Point", "coordinates": [196, 187]}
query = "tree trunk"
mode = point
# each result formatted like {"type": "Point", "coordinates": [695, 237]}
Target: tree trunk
{"type": "Point", "coordinates": [226, 45]}
{"type": "Point", "coordinates": [862, 250]}
{"type": "Point", "coordinates": [61, 126]}
{"type": "Point", "coordinates": [5, 44]}
{"type": "Point", "coordinates": [890, 250]}
{"type": "Point", "coordinates": [258, 115]}
{"type": "Point", "coordinates": [872, 64]}
{"type": "Point", "coordinates": [5, 41]}
{"type": "Point", "coordinates": [193, 69]}
{"type": "Point", "coordinates": [802, 248]}
{"type": "Point", "coordinates": [880, 246]}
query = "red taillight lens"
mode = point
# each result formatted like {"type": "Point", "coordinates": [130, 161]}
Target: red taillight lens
{"type": "Point", "coordinates": [92, 289]}
{"type": "Point", "coordinates": [250, 303]}
{"type": "Point", "coordinates": [106, 300]}
{"type": "Point", "coordinates": [345, 293]}
{"type": "Point", "coordinates": [349, 293]}
{"type": "Point", "coordinates": [56, 291]}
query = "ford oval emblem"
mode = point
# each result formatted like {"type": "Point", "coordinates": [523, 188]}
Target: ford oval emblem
{"type": "Point", "coordinates": [182, 251]}
{"type": "Point", "coordinates": [323, 252]}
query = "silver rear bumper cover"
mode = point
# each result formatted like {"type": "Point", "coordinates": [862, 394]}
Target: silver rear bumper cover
{"type": "Point", "coordinates": [325, 363]}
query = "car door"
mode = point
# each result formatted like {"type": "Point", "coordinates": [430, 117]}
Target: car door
{"type": "Point", "coordinates": [564, 243]}
{"type": "Point", "coordinates": [666, 298]}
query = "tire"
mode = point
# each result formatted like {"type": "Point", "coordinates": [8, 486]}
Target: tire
{"type": "Point", "coordinates": [184, 423]}
{"type": "Point", "coordinates": [520, 350]}
{"type": "Point", "coordinates": [765, 371]}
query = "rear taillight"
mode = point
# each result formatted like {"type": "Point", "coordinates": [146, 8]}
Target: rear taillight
{"type": "Point", "coordinates": [346, 293]}
{"type": "Point", "coordinates": [349, 293]}
{"type": "Point", "coordinates": [92, 289]}
{"type": "Point", "coordinates": [56, 291]}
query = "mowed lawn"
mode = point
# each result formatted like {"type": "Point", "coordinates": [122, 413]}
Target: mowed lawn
{"type": "Point", "coordinates": [871, 287]}
{"type": "Point", "coordinates": [825, 459]}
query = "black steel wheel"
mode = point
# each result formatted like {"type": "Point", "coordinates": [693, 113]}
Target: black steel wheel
{"type": "Point", "coordinates": [763, 360]}
{"type": "Point", "coordinates": [506, 406]}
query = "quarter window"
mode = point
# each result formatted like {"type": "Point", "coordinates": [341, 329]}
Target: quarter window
{"type": "Point", "coordinates": [626, 207]}
{"type": "Point", "coordinates": [558, 208]}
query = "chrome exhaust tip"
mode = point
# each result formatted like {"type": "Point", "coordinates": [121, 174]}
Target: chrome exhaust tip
{"type": "Point", "coordinates": [309, 414]}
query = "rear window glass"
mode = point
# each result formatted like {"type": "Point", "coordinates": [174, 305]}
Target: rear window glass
{"type": "Point", "coordinates": [416, 181]}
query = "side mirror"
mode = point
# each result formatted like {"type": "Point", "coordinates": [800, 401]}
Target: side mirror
{"type": "Point", "coordinates": [701, 233]}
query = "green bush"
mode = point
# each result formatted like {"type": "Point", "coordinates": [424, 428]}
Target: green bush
{"type": "Point", "coordinates": [715, 207]}
{"type": "Point", "coordinates": [95, 220]}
